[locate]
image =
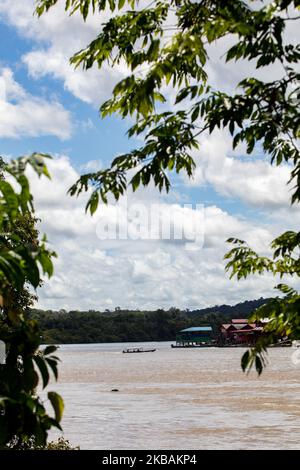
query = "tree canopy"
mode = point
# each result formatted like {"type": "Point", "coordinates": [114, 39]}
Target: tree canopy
{"type": "Point", "coordinates": [122, 325]}
{"type": "Point", "coordinates": [167, 43]}
{"type": "Point", "coordinates": [24, 260]}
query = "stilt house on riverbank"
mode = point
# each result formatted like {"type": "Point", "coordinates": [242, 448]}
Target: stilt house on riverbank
{"type": "Point", "coordinates": [239, 331]}
{"type": "Point", "coordinates": [194, 336]}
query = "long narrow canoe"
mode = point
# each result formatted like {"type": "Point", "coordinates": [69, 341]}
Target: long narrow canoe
{"type": "Point", "coordinates": [137, 350]}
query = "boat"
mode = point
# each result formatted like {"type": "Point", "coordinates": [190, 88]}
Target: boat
{"type": "Point", "coordinates": [137, 350]}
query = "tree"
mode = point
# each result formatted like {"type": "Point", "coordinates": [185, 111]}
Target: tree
{"type": "Point", "coordinates": [24, 259]}
{"type": "Point", "coordinates": [25, 230]}
{"type": "Point", "coordinates": [166, 43]}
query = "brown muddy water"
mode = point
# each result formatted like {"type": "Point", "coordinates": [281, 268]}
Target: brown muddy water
{"type": "Point", "coordinates": [177, 398]}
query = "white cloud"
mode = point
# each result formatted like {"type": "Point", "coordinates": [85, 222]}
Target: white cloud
{"type": "Point", "coordinates": [90, 85]}
{"type": "Point", "coordinates": [91, 165]}
{"type": "Point", "coordinates": [94, 273]}
{"type": "Point", "coordinates": [25, 115]}
{"type": "Point", "coordinates": [91, 273]}
{"type": "Point", "coordinates": [58, 37]}
{"type": "Point", "coordinates": [252, 180]}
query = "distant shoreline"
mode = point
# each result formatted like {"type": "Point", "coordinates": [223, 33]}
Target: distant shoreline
{"type": "Point", "coordinates": [120, 326]}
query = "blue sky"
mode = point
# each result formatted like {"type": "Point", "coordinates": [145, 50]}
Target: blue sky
{"type": "Point", "coordinates": [49, 107]}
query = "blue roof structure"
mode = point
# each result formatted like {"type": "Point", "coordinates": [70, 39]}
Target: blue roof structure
{"type": "Point", "coordinates": [196, 328]}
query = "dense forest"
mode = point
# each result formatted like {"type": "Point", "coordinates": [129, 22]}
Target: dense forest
{"type": "Point", "coordinates": [132, 325]}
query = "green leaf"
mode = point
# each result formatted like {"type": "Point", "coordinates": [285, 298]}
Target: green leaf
{"type": "Point", "coordinates": [258, 365]}
{"type": "Point", "coordinates": [58, 405]}
{"type": "Point", "coordinates": [93, 203]}
{"type": "Point", "coordinates": [49, 350]}
{"type": "Point", "coordinates": [245, 360]}
{"type": "Point", "coordinates": [195, 113]}
{"type": "Point", "coordinates": [52, 362]}
{"type": "Point", "coordinates": [135, 181]}
{"type": "Point", "coordinates": [40, 362]}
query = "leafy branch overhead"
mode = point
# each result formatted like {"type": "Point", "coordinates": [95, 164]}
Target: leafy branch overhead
{"type": "Point", "coordinates": [283, 320]}
{"type": "Point", "coordinates": [244, 261]}
{"type": "Point", "coordinates": [165, 42]}
{"type": "Point", "coordinates": [282, 312]}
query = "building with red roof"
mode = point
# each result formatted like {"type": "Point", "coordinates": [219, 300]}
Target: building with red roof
{"type": "Point", "coordinates": [239, 331]}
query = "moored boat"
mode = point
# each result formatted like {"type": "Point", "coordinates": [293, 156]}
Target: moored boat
{"type": "Point", "coordinates": [137, 350]}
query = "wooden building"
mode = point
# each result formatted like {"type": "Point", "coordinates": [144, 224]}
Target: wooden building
{"type": "Point", "coordinates": [239, 331]}
{"type": "Point", "coordinates": [194, 336]}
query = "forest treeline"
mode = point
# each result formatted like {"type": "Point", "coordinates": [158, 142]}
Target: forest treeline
{"type": "Point", "coordinates": [123, 325]}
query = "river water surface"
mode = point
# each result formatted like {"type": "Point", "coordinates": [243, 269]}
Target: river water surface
{"type": "Point", "coordinates": [177, 399]}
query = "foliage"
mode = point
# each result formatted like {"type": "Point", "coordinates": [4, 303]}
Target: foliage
{"type": "Point", "coordinates": [25, 229]}
{"type": "Point", "coordinates": [283, 313]}
{"type": "Point", "coordinates": [261, 112]}
{"type": "Point", "coordinates": [23, 261]}
{"type": "Point", "coordinates": [165, 43]}
{"type": "Point", "coordinates": [60, 444]}
{"type": "Point", "coordinates": [126, 325]}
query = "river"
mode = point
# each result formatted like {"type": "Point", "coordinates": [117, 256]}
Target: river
{"type": "Point", "coordinates": [177, 398]}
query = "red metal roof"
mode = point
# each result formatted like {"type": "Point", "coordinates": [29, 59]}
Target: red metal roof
{"type": "Point", "coordinates": [239, 320]}
{"type": "Point", "coordinates": [241, 327]}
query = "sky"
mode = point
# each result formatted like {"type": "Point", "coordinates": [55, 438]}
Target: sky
{"type": "Point", "coordinates": [47, 106]}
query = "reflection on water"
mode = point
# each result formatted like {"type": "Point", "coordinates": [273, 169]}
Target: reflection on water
{"type": "Point", "coordinates": [177, 399]}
